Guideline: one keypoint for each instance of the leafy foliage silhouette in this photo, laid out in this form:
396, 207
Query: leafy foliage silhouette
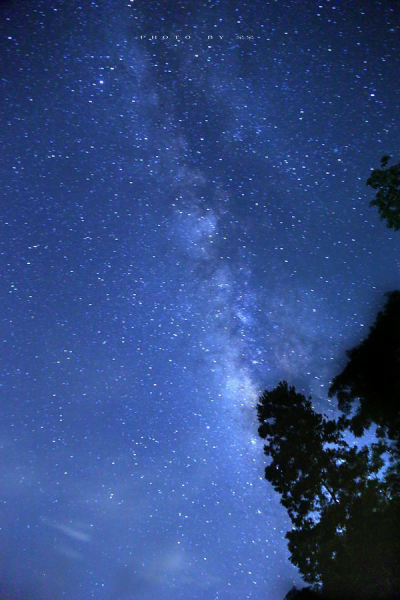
372, 375
342, 512
387, 199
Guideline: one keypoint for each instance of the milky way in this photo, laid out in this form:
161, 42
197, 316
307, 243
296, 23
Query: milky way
184, 223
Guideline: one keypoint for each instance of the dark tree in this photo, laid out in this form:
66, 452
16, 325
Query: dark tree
343, 516
387, 199
372, 375
305, 593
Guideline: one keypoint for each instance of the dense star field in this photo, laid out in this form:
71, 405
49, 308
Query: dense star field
184, 223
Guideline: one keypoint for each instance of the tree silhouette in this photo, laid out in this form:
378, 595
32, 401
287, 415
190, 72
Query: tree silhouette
387, 199
305, 593
372, 375
344, 500
343, 513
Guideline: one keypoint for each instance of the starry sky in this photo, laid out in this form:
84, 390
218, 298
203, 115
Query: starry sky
184, 223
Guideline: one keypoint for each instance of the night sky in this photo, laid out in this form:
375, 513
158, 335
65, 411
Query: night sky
184, 223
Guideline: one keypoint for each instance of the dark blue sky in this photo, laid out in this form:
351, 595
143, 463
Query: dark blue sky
183, 224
